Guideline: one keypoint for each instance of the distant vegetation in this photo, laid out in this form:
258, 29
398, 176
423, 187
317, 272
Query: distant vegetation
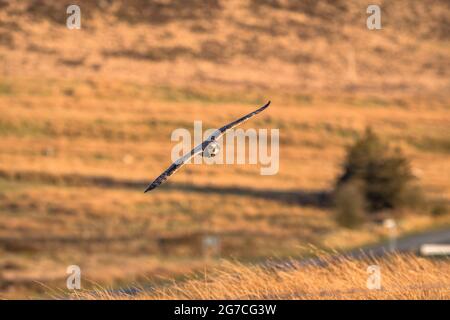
375, 177
350, 205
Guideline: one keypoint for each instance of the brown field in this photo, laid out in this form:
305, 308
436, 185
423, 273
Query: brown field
86, 118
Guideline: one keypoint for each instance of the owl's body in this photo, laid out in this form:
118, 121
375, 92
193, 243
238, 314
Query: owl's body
211, 150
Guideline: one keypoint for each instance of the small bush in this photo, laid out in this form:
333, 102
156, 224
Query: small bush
350, 205
439, 208
383, 173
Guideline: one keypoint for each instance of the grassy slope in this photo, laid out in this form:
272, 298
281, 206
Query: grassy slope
244, 45
103, 101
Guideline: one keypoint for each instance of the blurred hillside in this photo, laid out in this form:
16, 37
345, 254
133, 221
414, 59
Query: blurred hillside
286, 45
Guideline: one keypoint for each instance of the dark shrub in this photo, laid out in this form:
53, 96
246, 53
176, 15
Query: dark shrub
383, 173
350, 205
439, 207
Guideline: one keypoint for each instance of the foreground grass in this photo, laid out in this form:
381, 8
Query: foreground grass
402, 277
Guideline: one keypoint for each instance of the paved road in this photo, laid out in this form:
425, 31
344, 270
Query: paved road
410, 243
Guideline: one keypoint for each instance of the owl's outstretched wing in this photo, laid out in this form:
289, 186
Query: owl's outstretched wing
174, 168
220, 132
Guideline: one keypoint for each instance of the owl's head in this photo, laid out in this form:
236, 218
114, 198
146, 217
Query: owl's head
211, 150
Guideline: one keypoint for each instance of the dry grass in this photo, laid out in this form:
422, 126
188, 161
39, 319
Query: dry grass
86, 118
402, 277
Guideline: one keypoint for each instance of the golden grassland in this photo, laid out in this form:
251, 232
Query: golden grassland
402, 277
73, 171
86, 118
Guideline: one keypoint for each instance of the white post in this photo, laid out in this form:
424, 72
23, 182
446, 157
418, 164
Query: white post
391, 226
